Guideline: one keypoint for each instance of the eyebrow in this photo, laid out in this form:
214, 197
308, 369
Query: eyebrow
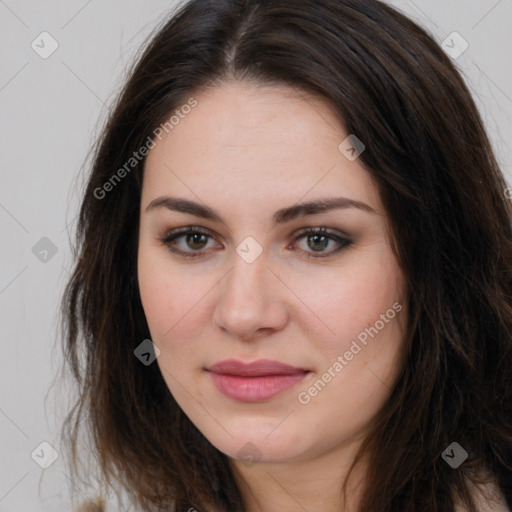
280, 216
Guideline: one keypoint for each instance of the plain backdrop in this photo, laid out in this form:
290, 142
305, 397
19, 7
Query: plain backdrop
52, 106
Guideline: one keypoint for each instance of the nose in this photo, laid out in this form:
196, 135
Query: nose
251, 300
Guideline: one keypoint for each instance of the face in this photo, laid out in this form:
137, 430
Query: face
228, 271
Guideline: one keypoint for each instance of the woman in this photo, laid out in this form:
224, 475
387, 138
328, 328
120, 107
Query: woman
293, 286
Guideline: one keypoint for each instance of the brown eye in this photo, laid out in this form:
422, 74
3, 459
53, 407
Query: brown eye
194, 239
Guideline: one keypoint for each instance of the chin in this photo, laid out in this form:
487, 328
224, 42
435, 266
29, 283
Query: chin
259, 447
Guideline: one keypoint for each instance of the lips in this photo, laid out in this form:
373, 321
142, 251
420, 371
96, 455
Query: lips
255, 369
254, 382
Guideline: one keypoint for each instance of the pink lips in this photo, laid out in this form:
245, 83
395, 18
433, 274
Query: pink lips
256, 381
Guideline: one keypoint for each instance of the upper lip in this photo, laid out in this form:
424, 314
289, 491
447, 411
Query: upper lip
258, 368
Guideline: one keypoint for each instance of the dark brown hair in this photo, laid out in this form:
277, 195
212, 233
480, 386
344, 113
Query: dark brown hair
428, 152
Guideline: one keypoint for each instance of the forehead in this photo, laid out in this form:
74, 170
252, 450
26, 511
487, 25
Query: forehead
248, 142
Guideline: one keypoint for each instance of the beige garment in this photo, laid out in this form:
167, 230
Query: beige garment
87, 506
496, 503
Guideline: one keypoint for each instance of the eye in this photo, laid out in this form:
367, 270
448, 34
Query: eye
319, 238
196, 239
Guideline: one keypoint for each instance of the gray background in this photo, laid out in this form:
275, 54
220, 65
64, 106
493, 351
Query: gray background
51, 109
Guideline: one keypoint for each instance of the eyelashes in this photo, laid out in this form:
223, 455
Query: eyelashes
319, 236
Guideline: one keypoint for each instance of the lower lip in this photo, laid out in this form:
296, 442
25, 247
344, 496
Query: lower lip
254, 389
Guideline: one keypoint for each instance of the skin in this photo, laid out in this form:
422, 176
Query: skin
247, 151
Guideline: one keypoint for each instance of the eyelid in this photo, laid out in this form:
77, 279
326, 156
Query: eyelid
322, 230
298, 232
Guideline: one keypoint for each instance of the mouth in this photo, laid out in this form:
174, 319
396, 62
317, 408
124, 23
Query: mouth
254, 382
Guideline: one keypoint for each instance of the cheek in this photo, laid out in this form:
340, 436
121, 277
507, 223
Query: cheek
171, 299
346, 302
156, 295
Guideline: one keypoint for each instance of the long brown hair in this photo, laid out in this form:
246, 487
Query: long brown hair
428, 152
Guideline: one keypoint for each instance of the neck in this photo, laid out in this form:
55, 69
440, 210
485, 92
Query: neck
311, 483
